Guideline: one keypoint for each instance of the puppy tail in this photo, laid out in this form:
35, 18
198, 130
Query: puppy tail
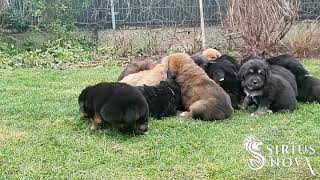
211, 109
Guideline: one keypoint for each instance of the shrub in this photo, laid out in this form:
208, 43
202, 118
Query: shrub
304, 39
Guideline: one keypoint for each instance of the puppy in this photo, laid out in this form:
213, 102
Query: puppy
266, 90
224, 71
164, 100
211, 54
200, 60
116, 105
278, 70
137, 67
201, 96
308, 86
149, 77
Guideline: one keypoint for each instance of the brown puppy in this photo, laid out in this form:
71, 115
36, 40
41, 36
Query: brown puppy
137, 67
202, 97
149, 77
211, 54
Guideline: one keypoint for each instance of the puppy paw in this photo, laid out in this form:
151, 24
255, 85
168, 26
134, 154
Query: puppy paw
184, 114
269, 111
242, 107
259, 113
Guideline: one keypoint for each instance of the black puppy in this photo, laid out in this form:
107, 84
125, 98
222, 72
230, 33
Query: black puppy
164, 100
115, 105
266, 90
201, 61
308, 86
224, 71
277, 70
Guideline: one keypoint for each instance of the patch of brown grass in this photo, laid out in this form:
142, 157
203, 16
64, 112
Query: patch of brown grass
7, 134
304, 40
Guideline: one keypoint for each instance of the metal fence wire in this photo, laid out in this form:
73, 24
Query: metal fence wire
152, 13
159, 13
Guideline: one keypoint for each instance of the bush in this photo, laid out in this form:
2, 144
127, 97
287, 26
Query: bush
61, 48
259, 24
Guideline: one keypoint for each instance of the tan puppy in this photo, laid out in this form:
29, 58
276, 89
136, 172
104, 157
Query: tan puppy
137, 67
202, 97
149, 77
211, 54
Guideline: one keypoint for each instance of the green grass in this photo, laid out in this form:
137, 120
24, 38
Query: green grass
43, 136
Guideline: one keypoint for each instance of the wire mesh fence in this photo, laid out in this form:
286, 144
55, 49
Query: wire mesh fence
146, 13
151, 13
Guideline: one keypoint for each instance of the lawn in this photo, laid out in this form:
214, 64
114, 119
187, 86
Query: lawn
43, 136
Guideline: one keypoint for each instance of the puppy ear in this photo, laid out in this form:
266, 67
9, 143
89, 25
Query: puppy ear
267, 69
83, 100
170, 73
218, 77
241, 73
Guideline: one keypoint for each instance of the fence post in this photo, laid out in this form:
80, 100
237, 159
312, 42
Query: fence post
113, 16
202, 25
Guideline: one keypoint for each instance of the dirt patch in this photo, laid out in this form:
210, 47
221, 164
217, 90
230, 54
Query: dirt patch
7, 134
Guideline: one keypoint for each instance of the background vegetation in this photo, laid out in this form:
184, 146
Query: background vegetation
44, 33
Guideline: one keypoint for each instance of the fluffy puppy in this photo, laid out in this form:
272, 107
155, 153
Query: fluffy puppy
266, 90
201, 96
200, 60
278, 70
149, 77
137, 67
211, 54
308, 86
115, 105
164, 99
224, 71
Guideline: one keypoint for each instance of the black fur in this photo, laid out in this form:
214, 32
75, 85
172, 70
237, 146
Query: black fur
164, 100
308, 86
201, 61
119, 105
266, 90
286, 74
224, 71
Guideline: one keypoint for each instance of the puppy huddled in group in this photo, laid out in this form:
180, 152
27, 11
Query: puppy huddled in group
164, 100
136, 67
264, 89
308, 85
277, 70
201, 96
115, 105
224, 71
211, 53
201, 61
150, 77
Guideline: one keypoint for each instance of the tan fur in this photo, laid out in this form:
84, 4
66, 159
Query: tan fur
211, 54
200, 95
149, 77
136, 67
96, 122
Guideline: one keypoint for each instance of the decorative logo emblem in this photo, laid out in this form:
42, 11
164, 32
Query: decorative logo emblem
251, 145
